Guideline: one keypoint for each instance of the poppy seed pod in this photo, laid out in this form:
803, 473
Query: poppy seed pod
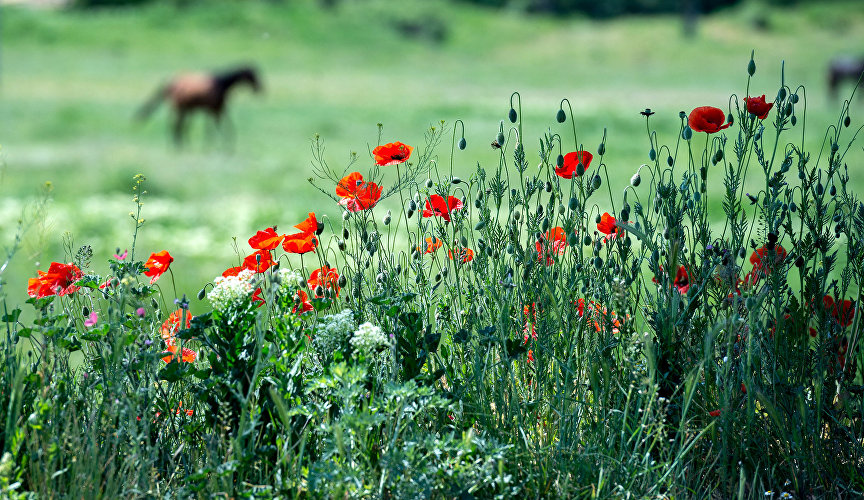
682, 115
512, 116
462, 143
687, 133
561, 116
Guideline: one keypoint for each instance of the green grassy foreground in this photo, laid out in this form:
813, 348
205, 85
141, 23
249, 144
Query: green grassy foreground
71, 81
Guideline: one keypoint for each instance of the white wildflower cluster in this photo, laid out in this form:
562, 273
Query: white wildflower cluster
231, 290
333, 330
289, 281
368, 338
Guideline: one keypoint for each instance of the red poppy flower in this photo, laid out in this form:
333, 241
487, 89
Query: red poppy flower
432, 244
757, 106
714, 413
571, 162
326, 277
530, 355
764, 260
682, 280
392, 153
58, 280
436, 206
530, 330
256, 297
301, 300
157, 264
232, 271
554, 242
186, 356
463, 254
300, 243
843, 314
607, 224
259, 261
310, 225
598, 315
357, 195
172, 325
707, 119
266, 239
106, 284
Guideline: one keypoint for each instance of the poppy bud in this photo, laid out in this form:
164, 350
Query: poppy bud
85, 311
346, 215
687, 133
652, 155
834, 147
512, 116
548, 187
410, 213
799, 262
500, 139
741, 253
580, 169
635, 180
429, 183
597, 181
794, 98
418, 279
586, 240
444, 271
345, 233
572, 240
751, 67
341, 245
670, 161
561, 208
387, 219
462, 143
539, 209
455, 180
302, 283
545, 224
697, 196
833, 190
478, 203
513, 192
625, 214
516, 215
730, 119
598, 262
758, 135
793, 207
203, 292
682, 115
574, 203
793, 120
561, 116
788, 108
154, 304
781, 94
819, 189
718, 156
480, 225
601, 149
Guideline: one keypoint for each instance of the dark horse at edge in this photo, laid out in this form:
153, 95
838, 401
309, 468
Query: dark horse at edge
844, 68
199, 91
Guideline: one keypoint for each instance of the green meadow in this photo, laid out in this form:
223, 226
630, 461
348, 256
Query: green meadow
71, 81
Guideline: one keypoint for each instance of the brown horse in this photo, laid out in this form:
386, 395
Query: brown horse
844, 68
192, 91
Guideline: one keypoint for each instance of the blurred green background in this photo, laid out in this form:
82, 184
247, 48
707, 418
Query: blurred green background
72, 78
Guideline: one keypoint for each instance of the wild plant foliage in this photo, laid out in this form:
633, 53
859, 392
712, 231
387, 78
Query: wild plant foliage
523, 330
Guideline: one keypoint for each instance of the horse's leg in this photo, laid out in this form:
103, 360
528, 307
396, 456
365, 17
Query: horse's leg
179, 125
226, 126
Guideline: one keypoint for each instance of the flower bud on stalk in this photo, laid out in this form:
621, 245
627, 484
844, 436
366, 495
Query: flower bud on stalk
561, 116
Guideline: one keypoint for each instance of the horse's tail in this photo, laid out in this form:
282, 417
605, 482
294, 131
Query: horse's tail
151, 104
